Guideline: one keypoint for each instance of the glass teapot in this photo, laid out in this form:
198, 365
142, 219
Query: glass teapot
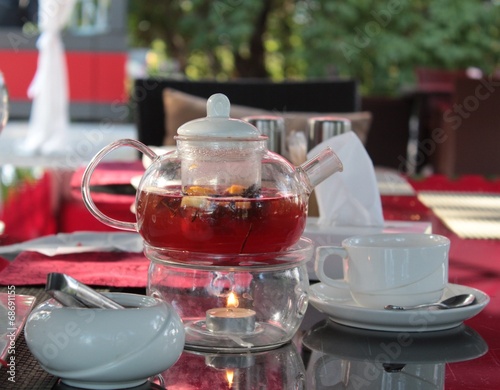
221, 190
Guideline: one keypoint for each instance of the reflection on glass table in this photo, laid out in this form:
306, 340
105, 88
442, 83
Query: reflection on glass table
277, 369
4, 116
348, 358
4, 103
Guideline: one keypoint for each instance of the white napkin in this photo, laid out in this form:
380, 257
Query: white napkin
351, 197
79, 242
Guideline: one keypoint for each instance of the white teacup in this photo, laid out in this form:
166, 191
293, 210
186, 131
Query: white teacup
382, 269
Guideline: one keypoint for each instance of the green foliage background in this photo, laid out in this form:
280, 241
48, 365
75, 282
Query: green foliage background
378, 42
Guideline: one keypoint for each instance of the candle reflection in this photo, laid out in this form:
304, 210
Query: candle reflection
276, 369
230, 377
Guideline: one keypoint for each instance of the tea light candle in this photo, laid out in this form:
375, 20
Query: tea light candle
230, 319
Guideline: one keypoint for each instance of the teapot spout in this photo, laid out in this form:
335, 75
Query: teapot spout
320, 167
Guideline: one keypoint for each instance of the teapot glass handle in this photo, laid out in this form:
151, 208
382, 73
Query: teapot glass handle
87, 198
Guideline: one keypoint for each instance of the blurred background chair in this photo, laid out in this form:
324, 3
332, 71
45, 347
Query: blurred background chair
320, 96
438, 79
471, 128
387, 142
434, 91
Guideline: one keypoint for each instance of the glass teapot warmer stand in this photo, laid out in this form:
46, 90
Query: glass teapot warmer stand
238, 308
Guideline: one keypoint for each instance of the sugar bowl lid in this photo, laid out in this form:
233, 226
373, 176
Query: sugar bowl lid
217, 123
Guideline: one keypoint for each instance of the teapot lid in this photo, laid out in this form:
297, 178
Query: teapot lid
217, 123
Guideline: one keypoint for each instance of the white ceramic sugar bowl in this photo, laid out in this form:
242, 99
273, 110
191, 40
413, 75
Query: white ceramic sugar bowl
106, 348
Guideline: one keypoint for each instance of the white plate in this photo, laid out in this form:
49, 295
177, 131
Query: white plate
135, 181
77, 242
333, 235
340, 307
159, 150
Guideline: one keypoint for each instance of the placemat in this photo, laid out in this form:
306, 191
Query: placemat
28, 373
468, 215
14, 310
114, 269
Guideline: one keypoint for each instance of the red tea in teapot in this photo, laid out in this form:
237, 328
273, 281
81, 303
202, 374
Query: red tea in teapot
237, 222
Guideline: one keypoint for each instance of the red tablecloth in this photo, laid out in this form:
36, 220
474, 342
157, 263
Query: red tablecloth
466, 183
26, 208
117, 269
474, 263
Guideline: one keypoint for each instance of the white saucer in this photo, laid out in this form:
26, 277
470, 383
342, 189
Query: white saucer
341, 308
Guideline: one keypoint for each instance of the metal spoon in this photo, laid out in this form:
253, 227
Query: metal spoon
450, 303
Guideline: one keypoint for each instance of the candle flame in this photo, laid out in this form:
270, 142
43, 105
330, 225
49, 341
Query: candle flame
230, 377
232, 300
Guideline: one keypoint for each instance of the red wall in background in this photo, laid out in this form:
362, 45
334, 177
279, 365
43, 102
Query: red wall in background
18, 69
97, 77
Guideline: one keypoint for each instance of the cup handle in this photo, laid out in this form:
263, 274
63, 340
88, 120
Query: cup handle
322, 252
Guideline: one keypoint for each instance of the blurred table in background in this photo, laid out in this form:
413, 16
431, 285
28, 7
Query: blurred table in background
28, 203
112, 192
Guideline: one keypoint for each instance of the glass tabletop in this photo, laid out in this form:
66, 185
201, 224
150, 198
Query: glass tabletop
327, 355
322, 355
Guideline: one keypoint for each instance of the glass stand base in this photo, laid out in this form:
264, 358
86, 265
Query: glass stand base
265, 336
